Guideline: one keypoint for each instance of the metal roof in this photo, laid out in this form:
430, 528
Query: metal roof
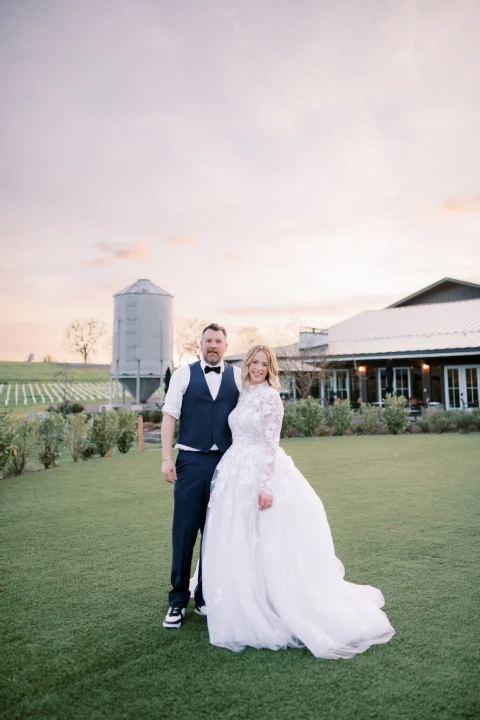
431, 287
434, 326
143, 287
282, 352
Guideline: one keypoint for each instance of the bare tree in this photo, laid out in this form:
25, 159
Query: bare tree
64, 377
83, 336
296, 365
49, 358
308, 366
248, 336
189, 337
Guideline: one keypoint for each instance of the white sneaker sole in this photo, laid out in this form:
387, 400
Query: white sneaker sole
171, 626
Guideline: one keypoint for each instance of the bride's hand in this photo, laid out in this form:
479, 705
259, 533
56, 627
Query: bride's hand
264, 500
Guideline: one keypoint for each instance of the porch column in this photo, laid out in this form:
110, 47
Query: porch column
362, 370
426, 385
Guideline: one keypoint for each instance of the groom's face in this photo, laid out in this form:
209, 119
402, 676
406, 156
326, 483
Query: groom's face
214, 345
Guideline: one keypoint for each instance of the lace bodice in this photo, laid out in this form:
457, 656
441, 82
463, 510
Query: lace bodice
257, 420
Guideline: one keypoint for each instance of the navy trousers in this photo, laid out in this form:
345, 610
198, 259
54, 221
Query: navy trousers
191, 495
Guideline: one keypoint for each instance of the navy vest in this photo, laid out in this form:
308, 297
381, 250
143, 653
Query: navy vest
203, 420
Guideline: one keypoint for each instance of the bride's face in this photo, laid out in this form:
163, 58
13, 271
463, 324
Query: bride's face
258, 368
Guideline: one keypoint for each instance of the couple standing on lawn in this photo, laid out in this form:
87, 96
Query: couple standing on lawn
268, 575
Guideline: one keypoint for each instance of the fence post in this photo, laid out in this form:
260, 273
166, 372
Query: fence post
141, 441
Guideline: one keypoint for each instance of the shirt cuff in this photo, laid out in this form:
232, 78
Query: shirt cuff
166, 410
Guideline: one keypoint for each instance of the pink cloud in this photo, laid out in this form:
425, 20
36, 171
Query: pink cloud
455, 205
135, 252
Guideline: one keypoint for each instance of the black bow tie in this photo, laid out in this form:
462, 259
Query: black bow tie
212, 369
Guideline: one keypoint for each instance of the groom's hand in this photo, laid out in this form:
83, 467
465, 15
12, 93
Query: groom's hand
168, 471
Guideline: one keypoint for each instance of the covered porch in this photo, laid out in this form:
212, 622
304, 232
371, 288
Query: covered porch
451, 382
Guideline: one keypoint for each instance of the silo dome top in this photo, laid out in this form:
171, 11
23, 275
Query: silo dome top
143, 287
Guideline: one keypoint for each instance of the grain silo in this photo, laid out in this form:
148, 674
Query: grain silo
142, 339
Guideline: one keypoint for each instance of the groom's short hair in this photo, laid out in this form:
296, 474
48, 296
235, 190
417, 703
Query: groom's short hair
216, 328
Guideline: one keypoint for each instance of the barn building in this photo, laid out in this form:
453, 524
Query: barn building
425, 347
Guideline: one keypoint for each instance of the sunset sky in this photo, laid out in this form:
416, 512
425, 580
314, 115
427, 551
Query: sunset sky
264, 161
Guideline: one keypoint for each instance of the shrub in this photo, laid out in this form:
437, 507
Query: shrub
476, 418
77, 408
323, 430
309, 417
464, 421
156, 416
4, 446
289, 424
440, 422
126, 429
395, 413
49, 436
424, 421
67, 408
340, 416
76, 435
88, 451
103, 432
152, 415
17, 440
368, 419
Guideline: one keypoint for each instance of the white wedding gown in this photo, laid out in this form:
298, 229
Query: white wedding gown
271, 578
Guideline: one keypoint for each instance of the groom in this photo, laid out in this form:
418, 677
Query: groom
201, 396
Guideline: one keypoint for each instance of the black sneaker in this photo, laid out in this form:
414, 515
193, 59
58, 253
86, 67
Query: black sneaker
174, 618
201, 610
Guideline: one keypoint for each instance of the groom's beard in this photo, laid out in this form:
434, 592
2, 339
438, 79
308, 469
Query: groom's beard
212, 358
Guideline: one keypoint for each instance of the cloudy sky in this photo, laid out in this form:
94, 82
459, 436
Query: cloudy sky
264, 161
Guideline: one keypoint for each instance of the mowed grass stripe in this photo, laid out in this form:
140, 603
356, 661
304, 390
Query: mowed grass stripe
88, 575
21, 372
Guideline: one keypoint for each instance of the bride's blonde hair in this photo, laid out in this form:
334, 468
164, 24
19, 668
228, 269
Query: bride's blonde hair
272, 370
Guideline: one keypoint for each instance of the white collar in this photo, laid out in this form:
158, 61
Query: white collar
203, 365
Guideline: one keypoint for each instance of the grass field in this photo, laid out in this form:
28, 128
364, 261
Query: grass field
22, 372
27, 387
88, 547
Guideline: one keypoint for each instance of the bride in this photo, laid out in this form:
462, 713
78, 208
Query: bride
270, 575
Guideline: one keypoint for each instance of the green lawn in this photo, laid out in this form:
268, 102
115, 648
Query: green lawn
22, 372
88, 550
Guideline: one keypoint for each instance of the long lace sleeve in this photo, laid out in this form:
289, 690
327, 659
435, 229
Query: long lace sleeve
273, 417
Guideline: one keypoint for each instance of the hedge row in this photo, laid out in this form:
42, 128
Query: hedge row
49, 434
440, 421
308, 418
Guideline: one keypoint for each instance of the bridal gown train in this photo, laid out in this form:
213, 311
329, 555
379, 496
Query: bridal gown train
271, 578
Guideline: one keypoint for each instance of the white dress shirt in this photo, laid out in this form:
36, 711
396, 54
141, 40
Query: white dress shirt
179, 383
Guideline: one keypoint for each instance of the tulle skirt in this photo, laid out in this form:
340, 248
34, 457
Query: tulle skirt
271, 579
